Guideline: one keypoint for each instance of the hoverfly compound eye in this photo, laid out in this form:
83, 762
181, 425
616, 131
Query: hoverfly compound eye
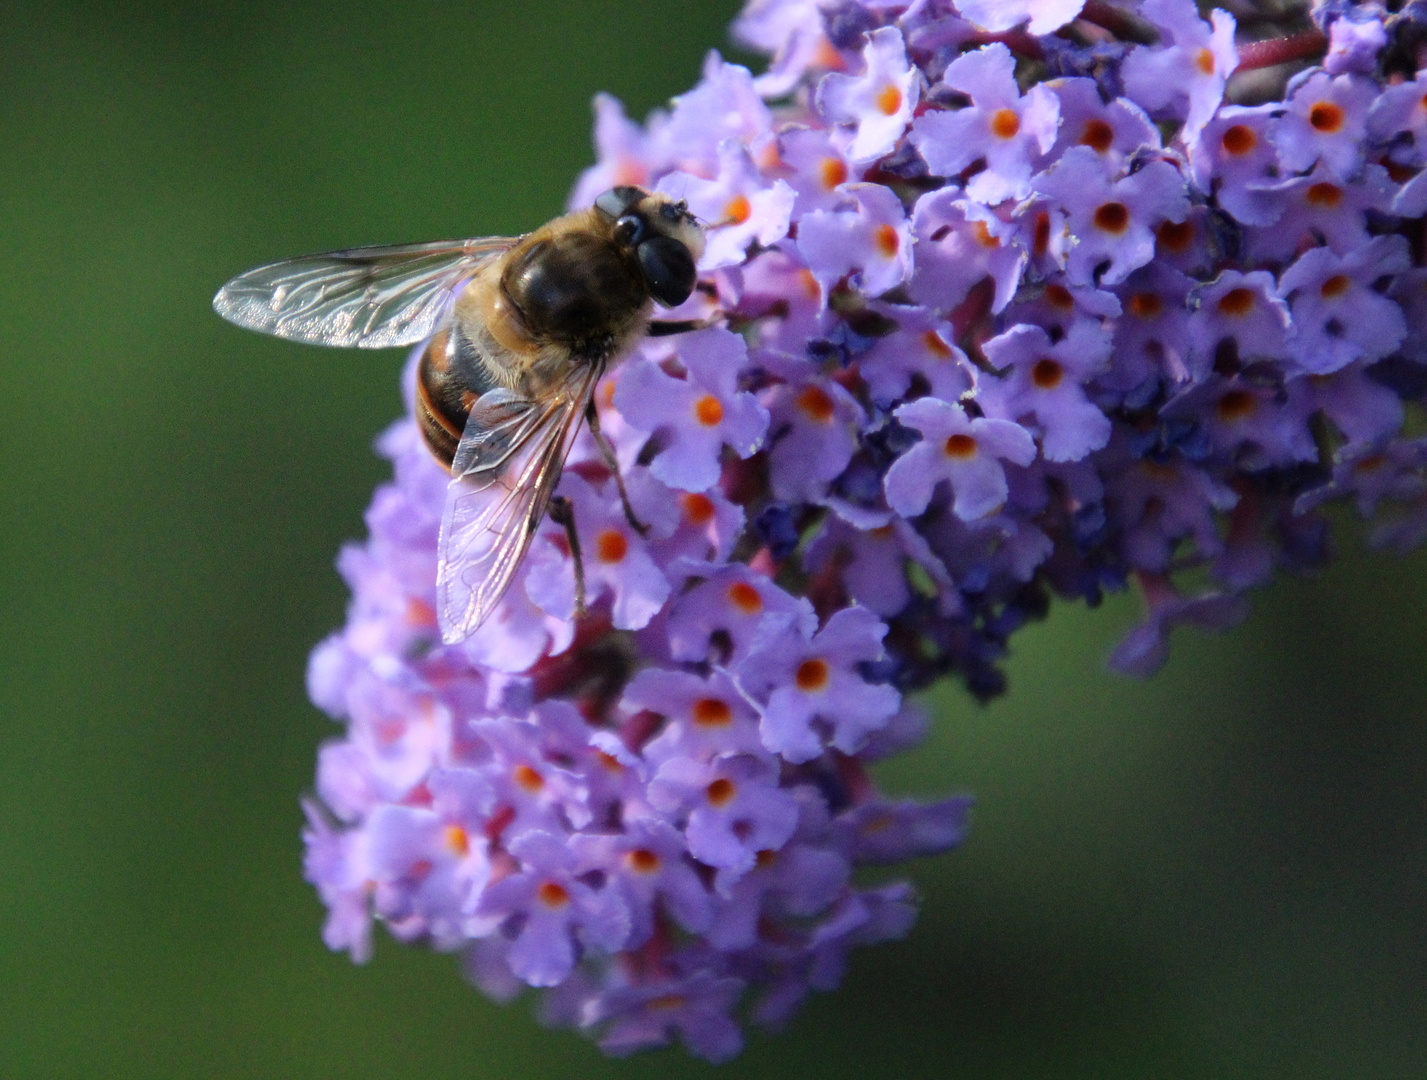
617, 202
668, 268
629, 230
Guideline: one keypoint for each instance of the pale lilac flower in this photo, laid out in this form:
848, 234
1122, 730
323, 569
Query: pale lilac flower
1337, 316
1325, 122
617, 563
1354, 43
1184, 78
809, 689
1001, 125
1114, 222
699, 414
1045, 16
1045, 380
816, 169
869, 234
731, 809
1233, 159
958, 244
1114, 131
965, 452
876, 106
746, 208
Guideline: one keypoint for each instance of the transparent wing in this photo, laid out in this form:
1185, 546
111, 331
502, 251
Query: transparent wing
505, 469
372, 297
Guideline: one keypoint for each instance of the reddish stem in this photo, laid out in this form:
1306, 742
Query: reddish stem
1282, 50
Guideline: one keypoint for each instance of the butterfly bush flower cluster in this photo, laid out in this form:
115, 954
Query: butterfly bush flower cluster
1006, 300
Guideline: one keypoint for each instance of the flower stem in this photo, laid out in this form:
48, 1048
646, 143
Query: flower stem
1282, 50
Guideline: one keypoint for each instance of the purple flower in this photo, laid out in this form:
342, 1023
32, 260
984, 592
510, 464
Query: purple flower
877, 105
966, 453
699, 414
1045, 380
1045, 16
869, 233
1114, 221
1337, 316
958, 244
809, 690
1005, 128
550, 909
730, 809
739, 200
1184, 79
1325, 122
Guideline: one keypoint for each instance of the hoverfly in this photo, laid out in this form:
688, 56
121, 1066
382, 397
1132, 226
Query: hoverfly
518, 331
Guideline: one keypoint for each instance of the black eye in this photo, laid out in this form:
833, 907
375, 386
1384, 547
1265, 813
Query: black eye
668, 268
616, 202
673, 211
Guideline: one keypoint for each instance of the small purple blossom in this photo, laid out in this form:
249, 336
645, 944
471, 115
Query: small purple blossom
1001, 125
966, 453
877, 105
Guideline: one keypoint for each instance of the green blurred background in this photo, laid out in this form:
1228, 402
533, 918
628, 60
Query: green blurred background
1217, 873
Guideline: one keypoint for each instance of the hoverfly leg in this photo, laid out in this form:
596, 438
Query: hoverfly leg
562, 513
612, 464
670, 327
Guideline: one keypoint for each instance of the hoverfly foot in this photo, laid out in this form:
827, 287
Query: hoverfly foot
562, 513
612, 464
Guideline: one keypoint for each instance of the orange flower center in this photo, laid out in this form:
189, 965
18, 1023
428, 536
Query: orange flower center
712, 712
1334, 287
720, 792
737, 210
698, 509
553, 895
982, 232
1112, 217
1005, 124
457, 840
643, 861
959, 447
1324, 195
813, 676
1058, 297
1236, 302
1238, 140
1098, 135
815, 402
1236, 405
709, 410
833, 171
1175, 236
889, 100
1040, 236
1326, 117
887, 240
1204, 61
745, 598
611, 546
527, 779
1047, 373
1145, 305
936, 346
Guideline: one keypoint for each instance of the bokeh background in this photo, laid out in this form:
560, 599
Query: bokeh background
1216, 873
